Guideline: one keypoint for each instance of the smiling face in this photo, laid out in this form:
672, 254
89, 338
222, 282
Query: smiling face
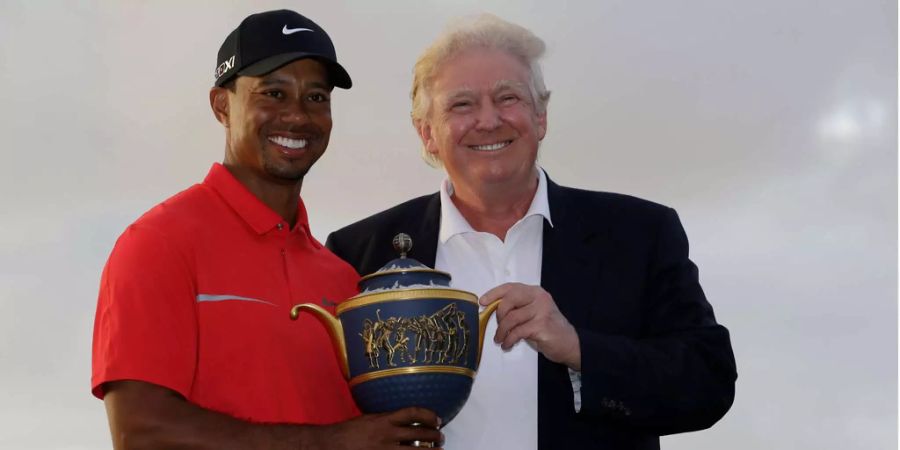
483, 123
277, 125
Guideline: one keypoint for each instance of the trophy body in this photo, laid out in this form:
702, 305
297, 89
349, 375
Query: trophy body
407, 339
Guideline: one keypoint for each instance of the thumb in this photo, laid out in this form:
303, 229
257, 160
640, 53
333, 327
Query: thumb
493, 294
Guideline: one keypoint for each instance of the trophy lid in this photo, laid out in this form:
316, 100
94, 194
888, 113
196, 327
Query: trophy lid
403, 272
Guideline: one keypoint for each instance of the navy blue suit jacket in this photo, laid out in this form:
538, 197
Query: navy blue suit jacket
654, 360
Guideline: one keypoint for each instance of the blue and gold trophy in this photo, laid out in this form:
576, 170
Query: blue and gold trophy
407, 339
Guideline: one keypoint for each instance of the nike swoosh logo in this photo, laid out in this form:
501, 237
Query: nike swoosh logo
287, 31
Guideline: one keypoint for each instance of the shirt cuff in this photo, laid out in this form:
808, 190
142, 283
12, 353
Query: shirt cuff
575, 378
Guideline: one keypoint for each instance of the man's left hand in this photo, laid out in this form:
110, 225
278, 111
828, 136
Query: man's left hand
529, 313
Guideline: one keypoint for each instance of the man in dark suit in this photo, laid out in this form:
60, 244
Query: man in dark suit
621, 344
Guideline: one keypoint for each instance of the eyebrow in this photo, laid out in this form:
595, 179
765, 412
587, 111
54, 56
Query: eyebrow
271, 80
461, 92
509, 84
499, 85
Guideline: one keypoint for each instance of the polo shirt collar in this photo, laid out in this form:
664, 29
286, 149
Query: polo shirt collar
453, 222
251, 209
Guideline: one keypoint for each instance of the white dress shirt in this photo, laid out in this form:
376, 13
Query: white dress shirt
501, 412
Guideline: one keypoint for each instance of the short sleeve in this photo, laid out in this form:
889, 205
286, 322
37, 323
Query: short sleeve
145, 326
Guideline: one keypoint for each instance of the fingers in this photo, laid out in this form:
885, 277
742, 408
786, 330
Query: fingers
511, 320
494, 294
410, 434
415, 424
553, 336
525, 331
521, 303
509, 292
415, 415
529, 313
380, 431
514, 295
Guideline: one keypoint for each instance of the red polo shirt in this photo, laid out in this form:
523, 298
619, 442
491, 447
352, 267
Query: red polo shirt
196, 297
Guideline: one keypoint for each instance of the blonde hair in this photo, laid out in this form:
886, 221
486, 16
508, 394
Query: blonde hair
482, 31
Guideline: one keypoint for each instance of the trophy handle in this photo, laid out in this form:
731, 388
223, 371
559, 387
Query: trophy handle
483, 318
334, 328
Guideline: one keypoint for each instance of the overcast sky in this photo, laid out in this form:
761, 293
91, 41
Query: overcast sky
770, 125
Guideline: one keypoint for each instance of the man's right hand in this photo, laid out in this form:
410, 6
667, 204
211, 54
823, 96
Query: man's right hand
146, 416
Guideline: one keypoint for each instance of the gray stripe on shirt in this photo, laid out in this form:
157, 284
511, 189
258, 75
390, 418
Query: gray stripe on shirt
222, 298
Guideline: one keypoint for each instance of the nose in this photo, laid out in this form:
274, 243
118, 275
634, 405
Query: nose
295, 112
488, 117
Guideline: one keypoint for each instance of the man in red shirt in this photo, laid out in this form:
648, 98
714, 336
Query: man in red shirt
193, 346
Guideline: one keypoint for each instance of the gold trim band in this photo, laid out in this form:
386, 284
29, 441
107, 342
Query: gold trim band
405, 270
411, 371
405, 294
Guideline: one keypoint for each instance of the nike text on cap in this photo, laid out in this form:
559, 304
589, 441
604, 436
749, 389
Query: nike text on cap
266, 41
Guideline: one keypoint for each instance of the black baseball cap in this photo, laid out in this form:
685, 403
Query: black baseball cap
266, 41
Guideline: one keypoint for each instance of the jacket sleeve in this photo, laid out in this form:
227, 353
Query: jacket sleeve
679, 374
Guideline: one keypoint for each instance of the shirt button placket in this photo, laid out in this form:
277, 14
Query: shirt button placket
506, 259
280, 227
493, 247
285, 264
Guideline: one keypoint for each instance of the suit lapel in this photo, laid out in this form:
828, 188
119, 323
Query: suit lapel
570, 267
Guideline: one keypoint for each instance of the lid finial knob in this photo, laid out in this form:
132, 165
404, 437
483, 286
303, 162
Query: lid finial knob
402, 244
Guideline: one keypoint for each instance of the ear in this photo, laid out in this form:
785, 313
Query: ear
218, 101
425, 134
542, 125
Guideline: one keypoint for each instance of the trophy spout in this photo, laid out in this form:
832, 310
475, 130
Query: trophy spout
483, 318
334, 328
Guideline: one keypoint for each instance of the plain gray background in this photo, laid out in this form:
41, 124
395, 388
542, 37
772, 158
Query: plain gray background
770, 125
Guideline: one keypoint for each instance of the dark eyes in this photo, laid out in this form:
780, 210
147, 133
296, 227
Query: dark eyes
274, 93
316, 97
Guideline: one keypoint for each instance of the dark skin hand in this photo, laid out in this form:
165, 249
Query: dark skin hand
146, 416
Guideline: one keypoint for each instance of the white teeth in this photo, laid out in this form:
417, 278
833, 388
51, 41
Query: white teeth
288, 142
491, 147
